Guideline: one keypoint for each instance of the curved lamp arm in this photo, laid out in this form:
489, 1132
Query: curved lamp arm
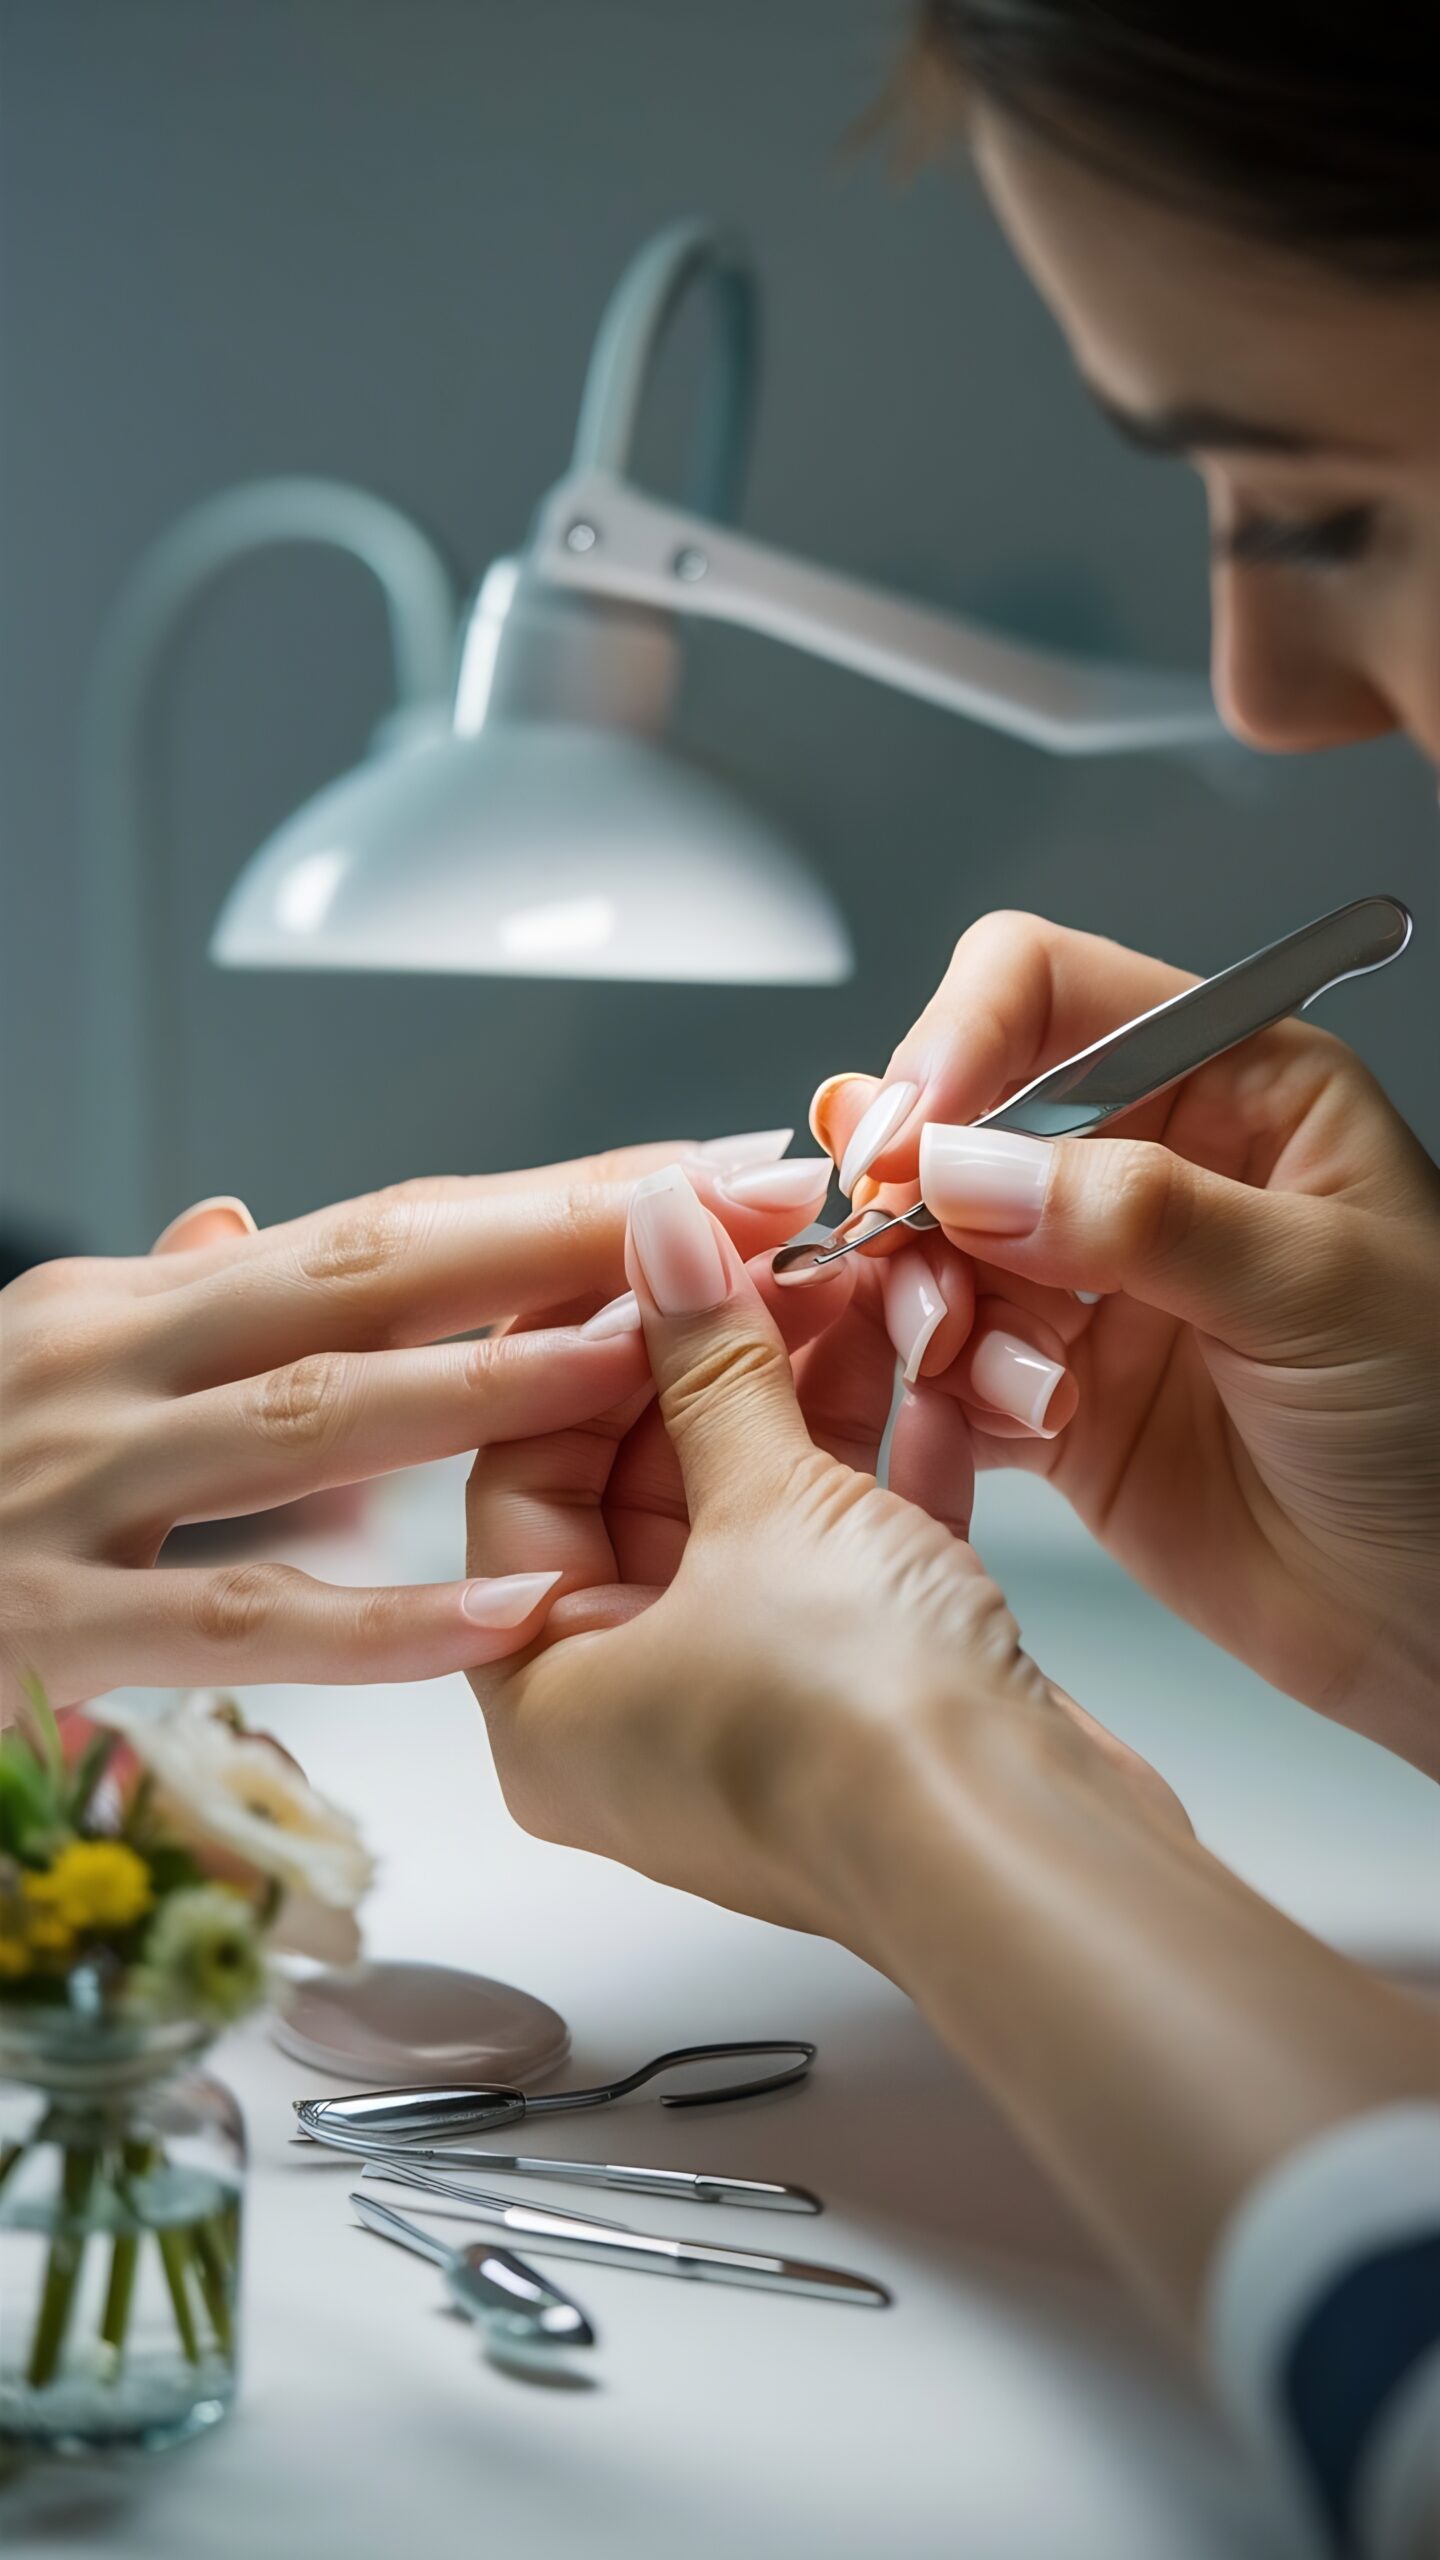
598, 535
130, 980
629, 339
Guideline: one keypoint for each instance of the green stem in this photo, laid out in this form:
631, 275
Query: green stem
10, 2152
62, 2270
174, 2248
213, 2277
136, 2159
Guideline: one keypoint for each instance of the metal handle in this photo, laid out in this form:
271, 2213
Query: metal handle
398, 2226
566, 2235
1145, 1056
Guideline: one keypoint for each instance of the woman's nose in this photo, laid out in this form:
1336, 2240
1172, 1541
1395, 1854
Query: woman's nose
1284, 679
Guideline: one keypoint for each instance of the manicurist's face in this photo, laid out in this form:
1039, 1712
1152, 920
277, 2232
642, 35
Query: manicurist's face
1310, 406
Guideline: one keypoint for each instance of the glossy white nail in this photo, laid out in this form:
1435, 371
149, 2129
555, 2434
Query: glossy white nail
619, 1315
876, 1128
914, 1308
1087, 1297
791, 1185
1016, 1379
676, 1246
508, 1599
753, 1146
992, 1181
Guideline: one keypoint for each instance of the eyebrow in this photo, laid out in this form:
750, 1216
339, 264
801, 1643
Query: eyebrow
1191, 427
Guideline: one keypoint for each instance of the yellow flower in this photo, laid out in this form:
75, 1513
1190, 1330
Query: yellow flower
93, 1884
14, 1959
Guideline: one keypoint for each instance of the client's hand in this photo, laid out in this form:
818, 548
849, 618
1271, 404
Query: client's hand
231, 1371
750, 1638
1258, 1426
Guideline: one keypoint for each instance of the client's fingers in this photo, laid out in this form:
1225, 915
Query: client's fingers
259, 1622
409, 1266
932, 1460
337, 1417
219, 1220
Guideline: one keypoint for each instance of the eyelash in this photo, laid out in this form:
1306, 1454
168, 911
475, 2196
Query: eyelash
1318, 543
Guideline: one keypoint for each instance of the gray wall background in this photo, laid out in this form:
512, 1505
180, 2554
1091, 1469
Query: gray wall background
371, 238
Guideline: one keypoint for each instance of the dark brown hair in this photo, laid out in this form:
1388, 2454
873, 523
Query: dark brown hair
1309, 124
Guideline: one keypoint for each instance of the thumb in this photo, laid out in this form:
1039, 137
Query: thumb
723, 1373
1258, 1270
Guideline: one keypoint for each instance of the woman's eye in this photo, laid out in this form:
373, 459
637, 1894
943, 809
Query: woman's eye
1331, 541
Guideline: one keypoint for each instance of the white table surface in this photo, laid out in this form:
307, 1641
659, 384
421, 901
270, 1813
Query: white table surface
1011, 2406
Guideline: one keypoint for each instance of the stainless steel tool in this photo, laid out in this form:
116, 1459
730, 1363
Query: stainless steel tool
1147, 1055
524, 2316
380, 2122
571, 2235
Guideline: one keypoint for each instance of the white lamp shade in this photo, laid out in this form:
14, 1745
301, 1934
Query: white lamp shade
535, 849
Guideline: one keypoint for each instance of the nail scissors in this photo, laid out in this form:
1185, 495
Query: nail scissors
1145, 1056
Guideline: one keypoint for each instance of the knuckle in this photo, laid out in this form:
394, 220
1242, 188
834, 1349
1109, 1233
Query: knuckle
365, 1243
381, 1616
301, 1406
733, 1367
236, 1604
1147, 1202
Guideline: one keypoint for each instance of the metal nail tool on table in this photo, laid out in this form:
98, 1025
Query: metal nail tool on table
573, 2235
421, 2124
525, 2319
1144, 1057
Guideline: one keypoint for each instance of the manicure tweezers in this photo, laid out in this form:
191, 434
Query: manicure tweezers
609, 2244
1146, 1056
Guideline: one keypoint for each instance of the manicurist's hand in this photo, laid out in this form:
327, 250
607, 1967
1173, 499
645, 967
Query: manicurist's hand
767, 1681
1256, 1423
749, 1635
232, 1370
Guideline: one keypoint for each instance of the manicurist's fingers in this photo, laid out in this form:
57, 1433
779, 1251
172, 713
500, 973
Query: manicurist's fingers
242, 1623
1019, 995
726, 1389
1261, 1271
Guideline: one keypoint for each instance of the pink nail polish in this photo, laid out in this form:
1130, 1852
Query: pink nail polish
892, 1104
914, 1308
1008, 1374
799, 1183
752, 1146
991, 1181
506, 1601
620, 1315
676, 1246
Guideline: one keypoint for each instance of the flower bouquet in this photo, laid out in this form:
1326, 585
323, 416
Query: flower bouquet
147, 1876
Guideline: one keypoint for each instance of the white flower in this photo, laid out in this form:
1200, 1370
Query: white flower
222, 1789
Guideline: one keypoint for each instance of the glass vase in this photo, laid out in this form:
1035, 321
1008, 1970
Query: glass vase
121, 2182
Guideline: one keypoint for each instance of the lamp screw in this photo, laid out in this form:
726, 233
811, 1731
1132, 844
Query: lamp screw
690, 564
581, 535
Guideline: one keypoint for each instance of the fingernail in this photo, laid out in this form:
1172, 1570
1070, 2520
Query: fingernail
507, 1600
820, 1101
220, 1203
877, 1127
753, 1146
621, 1315
1087, 1297
914, 1308
791, 1185
676, 1246
991, 1180
1015, 1379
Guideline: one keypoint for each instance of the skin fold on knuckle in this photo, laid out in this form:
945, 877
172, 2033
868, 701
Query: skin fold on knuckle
233, 1606
731, 1369
1145, 1205
368, 1244
303, 1405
